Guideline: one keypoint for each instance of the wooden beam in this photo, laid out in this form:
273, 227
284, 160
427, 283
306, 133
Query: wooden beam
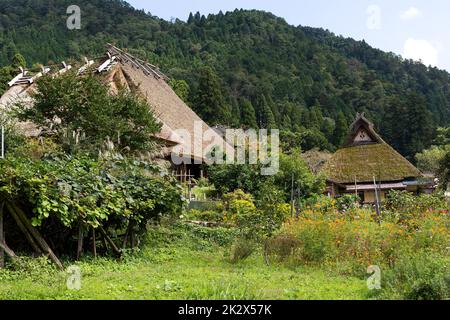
110, 242
8, 251
37, 236
25, 232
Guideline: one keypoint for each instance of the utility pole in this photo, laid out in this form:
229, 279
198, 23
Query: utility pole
377, 206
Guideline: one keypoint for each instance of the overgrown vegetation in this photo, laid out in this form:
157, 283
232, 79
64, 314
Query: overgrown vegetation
178, 262
259, 236
74, 179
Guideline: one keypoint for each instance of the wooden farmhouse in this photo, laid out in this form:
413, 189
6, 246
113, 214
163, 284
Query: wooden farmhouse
120, 69
369, 167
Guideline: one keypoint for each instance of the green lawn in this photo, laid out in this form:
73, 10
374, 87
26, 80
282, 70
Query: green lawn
183, 269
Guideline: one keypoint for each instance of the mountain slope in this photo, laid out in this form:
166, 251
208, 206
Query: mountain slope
304, 77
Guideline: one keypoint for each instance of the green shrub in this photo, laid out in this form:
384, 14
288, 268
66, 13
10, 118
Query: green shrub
64, 190
206, 216
242, 249
418, 276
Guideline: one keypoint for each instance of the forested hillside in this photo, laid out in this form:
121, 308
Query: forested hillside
256, 68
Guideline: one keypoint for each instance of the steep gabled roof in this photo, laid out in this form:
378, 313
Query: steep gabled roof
364, 158
362, 125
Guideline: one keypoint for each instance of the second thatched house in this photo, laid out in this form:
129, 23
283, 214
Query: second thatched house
368, 167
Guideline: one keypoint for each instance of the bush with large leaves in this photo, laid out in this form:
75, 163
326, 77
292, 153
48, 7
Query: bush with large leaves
108, 193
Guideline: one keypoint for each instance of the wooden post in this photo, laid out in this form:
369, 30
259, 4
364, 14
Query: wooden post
94, 243
132, 239
189, 186
2, 252
105, 245
377, 206
128, 234
80, 240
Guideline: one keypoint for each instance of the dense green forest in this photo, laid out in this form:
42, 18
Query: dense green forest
305, 81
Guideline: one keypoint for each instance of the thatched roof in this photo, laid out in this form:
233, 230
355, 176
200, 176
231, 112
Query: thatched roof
19, 94
366, 156
146, 80
171, 111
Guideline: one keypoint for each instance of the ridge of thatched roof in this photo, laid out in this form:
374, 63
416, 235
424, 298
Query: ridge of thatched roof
361, 161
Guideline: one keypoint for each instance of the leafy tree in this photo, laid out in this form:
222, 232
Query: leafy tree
341, 130
444, 171
235, 120
408, 125
65, 191
246, 177
292, 166
248, 116
266, 116
430, 160
442, 137
208, 101
18, 61
181, 88
6, 75
83, 105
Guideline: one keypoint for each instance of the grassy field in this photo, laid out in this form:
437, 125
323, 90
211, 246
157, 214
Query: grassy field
179, 265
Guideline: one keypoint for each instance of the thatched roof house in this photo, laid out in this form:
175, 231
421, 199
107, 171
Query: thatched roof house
367, 164
121, 69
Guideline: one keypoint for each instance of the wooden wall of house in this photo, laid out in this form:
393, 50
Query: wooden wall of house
369, 196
